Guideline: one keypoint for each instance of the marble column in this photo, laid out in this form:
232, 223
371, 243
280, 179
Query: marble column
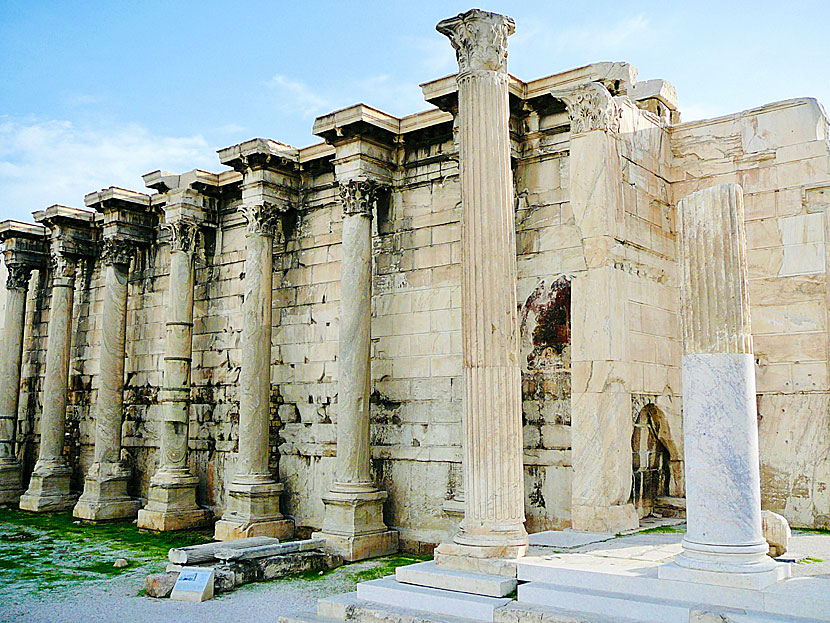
11, 357
253, 495
724, 542
49, 486
493, 524
353, 524
171, 503
105, 487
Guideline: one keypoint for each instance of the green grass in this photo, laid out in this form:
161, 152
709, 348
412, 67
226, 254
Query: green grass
46, 551
812, 530
809, 559
387, 567
662, 530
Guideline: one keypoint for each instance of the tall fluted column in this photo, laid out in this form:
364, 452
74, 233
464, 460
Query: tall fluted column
724, 542
105, 488
171, 501
493, 524
49, 487
10, 359
353, 525
253, 495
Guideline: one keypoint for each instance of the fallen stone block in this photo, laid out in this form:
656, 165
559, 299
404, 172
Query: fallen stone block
776, 532
160, 585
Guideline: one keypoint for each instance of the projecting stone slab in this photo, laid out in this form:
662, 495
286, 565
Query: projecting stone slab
566, 539
389, 592
428, 575
207, 551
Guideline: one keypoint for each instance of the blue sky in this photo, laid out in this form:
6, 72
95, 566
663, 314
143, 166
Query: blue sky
94, 94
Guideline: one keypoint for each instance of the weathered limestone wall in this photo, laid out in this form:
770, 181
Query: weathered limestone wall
780, 156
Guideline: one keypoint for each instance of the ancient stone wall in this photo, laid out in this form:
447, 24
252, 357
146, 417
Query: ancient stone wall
780, 156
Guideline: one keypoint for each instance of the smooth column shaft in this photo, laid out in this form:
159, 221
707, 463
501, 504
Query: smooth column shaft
353, 444
10, 361
177, 363
109, 406
56, 381
255, 376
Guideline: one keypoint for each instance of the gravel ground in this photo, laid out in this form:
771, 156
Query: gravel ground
117, 600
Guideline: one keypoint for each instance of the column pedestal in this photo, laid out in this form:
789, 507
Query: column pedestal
253, 510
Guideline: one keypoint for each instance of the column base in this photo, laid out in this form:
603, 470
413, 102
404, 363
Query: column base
171, 503
353, 526
487, 559
253, 510
105, 494
49, 489
10, 482
618, 518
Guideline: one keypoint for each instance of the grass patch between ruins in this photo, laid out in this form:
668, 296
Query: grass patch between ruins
47, 551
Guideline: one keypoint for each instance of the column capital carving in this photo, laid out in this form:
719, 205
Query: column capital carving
360, 196
479, 39
18, 276
262, 218
63, 268
184, 236
591, 107
116, 251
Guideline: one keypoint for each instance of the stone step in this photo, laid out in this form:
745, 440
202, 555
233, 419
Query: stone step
349, 608
429, 575
602, 603
390, 592
524, 613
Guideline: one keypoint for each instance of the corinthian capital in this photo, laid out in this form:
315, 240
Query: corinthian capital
183, 236
479, 39
262, 219
18, 276
359, 196
591, 107
117, 252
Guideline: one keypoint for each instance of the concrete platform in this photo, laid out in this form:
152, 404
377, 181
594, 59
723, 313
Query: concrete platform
389, 592
428, 575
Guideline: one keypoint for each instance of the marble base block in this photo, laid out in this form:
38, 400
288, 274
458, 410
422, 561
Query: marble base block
253, 510
10, 483
105, 494
353, 526
490, 560
171, 504
49, 490
618, 518
755, 581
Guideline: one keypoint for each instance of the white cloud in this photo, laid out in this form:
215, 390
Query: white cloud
43, 162
298, 97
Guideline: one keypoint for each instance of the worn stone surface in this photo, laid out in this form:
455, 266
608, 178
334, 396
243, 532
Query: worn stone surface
776, 531
160, 585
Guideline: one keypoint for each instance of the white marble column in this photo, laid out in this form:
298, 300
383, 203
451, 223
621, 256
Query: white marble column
171, 503
493, 524
11, 357
105, 487
724, 543
253, 495
353, 524
49, 487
